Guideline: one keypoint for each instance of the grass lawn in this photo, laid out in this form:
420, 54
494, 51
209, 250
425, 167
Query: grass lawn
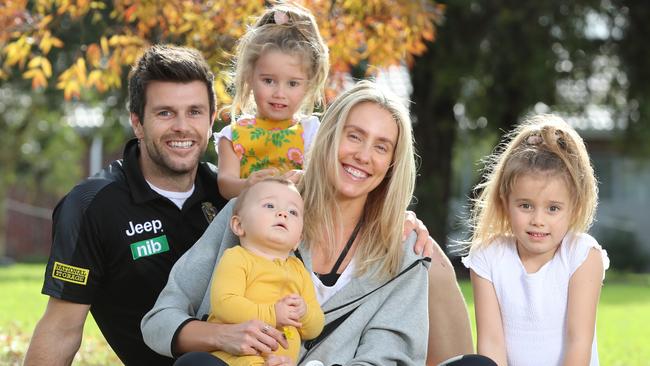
623, 319
623, 324
21, 306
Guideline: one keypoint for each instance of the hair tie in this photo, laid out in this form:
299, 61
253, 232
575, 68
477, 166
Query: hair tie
280, 17
559, 136
534, 139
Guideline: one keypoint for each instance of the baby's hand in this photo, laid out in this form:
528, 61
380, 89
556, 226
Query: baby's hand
288, 311
285, 314
275, 360
258, 175
298, 305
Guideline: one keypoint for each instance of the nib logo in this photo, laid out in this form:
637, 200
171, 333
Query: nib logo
149, 247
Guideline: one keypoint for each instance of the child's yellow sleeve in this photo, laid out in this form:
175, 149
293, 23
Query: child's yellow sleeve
227, 301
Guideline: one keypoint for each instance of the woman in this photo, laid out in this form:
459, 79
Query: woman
369, 283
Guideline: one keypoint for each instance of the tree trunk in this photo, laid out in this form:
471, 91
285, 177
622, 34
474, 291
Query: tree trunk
435, 134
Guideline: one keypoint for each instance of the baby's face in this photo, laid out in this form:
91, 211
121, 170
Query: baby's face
271, 218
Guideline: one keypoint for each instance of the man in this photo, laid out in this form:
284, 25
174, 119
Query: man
117, 235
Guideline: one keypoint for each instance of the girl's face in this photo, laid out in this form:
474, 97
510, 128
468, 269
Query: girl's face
539, 208
279, 83
366, 150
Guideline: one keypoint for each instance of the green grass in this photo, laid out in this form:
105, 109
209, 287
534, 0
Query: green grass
623, 319
623, 324
21, 307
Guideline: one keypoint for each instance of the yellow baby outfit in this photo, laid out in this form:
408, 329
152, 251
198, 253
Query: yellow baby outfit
260, 143
246, 286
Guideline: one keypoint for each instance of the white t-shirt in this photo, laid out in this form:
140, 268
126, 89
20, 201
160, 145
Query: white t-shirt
323, 293
178, 198
534, 305
309, 124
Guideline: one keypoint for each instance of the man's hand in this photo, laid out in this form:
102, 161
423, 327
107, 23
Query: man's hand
424, 243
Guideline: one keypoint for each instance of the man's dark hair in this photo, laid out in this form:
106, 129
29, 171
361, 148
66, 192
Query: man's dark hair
167, 63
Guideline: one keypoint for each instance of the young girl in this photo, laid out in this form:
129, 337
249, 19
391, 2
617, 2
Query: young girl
283, 62
536, 273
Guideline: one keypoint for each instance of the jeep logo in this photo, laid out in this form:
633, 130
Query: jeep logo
149, 226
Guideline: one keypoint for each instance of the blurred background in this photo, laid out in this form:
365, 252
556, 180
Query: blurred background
469, 71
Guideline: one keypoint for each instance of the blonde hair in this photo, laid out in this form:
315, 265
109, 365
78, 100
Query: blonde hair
297, 35
380, 236
543, 144
241, 198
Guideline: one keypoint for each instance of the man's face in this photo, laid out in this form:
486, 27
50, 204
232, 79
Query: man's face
174, 131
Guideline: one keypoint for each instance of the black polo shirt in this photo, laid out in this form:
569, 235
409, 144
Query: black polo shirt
114, 242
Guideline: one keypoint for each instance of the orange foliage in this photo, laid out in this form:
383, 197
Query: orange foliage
381, 32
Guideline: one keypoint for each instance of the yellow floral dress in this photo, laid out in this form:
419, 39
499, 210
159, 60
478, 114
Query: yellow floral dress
261, 143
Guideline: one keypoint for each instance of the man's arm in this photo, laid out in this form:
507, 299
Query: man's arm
57, 335
449, 328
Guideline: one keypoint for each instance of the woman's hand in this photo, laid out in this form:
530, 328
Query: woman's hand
250, 338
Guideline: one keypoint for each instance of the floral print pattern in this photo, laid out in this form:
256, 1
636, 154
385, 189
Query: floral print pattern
262, 144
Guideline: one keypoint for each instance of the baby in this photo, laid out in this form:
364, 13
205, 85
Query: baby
259, 279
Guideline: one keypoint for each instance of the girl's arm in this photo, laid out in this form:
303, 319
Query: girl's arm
584, 292
489, 328
228, 178
230, 184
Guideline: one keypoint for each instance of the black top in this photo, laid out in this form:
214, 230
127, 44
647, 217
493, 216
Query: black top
114, 242
329, 279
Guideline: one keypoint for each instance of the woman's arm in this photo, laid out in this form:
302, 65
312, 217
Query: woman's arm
584, 292
172, 326
188, 286
397, 332
489, 329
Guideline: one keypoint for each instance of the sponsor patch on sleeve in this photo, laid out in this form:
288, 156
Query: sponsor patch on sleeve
68, 273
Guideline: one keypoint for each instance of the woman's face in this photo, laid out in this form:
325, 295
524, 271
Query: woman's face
365, 151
